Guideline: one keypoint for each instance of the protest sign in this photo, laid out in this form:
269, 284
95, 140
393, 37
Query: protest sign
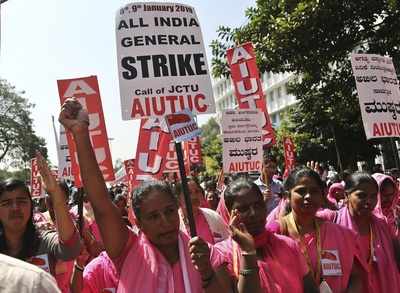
248, 88
290, 156
192, 151
130, 172
36, 181
86, 90
64, 163
151, 150
182, 125
378, 93
241, 141
162, 64
64, 160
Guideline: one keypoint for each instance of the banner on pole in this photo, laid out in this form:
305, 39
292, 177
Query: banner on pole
378, 93
36, 182
86, 90
162, 64
151, 150
248, 88
182, 125
290, 156
242, 141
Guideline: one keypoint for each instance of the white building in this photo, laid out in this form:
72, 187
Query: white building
275, 89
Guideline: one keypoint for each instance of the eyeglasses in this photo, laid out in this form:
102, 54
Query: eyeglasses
19, 201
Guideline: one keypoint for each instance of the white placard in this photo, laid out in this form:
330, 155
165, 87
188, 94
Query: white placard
379, 95
64, 163
182, 126
242, 141
162, 62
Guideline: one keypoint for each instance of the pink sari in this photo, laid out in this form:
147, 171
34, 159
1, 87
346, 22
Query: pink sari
384, 274
388, 213
282, 269
336, 239
144, 269
276, 213
222, 210
100, 275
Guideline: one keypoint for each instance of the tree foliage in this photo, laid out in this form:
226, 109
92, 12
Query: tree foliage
211, 147
18, 141
314, 39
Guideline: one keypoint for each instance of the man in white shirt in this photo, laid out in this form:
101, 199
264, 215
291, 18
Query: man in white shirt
271, 188
17, 276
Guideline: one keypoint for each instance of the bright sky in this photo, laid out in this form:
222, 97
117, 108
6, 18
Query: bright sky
46, 40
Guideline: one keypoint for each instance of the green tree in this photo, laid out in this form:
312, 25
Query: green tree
211, 147
314, 39
18, 141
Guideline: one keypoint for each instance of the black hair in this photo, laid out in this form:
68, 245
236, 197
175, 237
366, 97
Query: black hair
235, 187
118, 197
142, 191
357, 178
30, 241
267, 157
211, 184
387, 182
178, 190
297, 174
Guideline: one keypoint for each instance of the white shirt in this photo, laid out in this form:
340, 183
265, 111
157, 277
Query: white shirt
17, 276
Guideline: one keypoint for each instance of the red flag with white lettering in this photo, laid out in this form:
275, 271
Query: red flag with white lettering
129, 170
290, 156
192, 150
248, 88
86, 90
36, 181
151, 150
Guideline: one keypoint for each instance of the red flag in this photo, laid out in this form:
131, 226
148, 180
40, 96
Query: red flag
290, 156
36, 182
192, 150
151, 151
129, 170
86, 90
248, 88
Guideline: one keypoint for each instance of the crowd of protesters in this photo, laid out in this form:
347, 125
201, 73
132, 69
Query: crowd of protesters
314, 231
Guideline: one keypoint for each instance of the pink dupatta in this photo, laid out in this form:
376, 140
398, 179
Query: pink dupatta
384, 274
145, 269
281, 270
388, 214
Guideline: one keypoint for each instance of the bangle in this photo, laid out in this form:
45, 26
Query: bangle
248, 272
251, 252
79, 268
207, 282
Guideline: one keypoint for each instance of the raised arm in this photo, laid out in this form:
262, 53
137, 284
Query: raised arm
64, 223
112, 228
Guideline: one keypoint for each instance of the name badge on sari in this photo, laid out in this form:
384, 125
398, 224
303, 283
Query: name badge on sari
41, 260
330, 263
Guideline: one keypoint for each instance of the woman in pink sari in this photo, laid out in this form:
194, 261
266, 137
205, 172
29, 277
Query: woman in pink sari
388, 197
209, 224
257, 259
378, 248
329, 249
160, 258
